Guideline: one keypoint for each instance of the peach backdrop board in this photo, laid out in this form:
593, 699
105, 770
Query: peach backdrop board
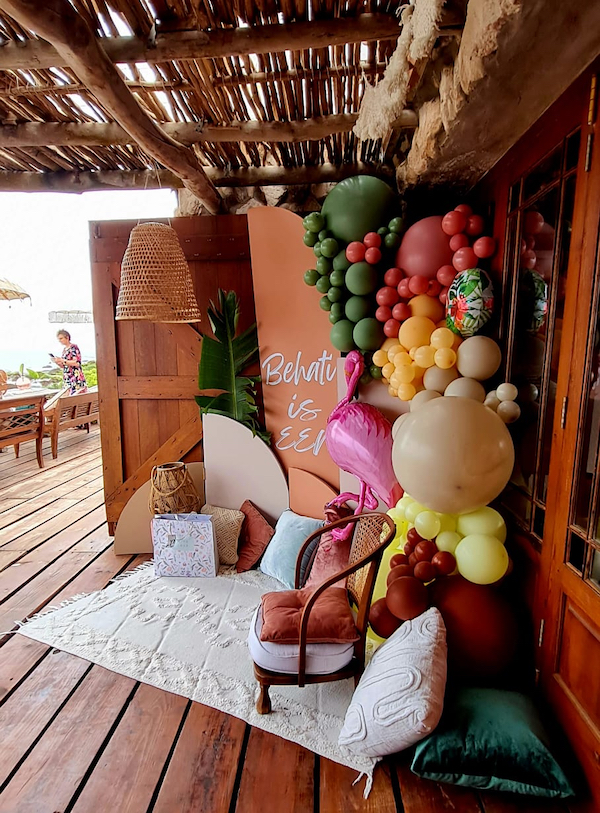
298, 362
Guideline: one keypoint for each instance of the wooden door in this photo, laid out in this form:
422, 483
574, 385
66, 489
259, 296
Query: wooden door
148, 372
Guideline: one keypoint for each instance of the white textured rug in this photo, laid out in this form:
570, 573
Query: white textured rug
188, 636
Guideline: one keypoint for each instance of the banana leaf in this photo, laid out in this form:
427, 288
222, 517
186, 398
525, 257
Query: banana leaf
222, 361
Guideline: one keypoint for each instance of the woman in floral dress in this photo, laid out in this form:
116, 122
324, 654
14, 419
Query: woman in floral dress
70, 362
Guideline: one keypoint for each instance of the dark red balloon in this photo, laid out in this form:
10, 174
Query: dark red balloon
418, 285
403, 288
534, 222
407, 598
372, 255
391, 328
413, 559
401, 311
529, 258
387, 296
414, 537
372, 240
409, 547
426, 550
355, 252
481, 627
398, 559
484, 247
381, 619
424, 248
464, 208
475, 225
444, 562
443, 296
434, 288
392, 277
458, 241
425, 572
454, 222
383, 313
398, 571
464, 258
446, 275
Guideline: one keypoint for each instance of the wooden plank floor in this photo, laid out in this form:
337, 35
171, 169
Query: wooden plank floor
76, 738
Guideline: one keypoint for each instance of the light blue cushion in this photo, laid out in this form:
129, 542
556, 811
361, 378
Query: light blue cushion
280, 557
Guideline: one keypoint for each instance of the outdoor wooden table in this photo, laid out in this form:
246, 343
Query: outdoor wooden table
22, 418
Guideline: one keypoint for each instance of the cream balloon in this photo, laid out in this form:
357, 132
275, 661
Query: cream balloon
466, 388
447, 540
437, 379
481, 559
483, 521
453, 455
398, 423
478, 357
422, 398
508, 411
492, 401
506, 392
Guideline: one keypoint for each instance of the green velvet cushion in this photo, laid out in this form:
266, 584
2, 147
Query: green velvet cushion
494, 740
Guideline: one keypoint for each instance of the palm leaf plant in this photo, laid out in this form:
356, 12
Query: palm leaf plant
222, 361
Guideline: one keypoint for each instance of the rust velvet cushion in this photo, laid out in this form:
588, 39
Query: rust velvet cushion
330, 620
255, 535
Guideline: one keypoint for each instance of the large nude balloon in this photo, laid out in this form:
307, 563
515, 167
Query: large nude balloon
424, 249
453, 455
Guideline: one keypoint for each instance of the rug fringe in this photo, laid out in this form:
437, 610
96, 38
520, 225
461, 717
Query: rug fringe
127, 573
368, 783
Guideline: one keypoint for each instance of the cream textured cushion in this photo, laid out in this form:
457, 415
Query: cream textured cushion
400, 697
227, 524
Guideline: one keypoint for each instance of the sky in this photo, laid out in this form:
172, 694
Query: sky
44, 240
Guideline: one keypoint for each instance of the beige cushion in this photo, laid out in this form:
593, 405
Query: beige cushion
227, 523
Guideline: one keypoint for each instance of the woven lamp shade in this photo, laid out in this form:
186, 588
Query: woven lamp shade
156, 284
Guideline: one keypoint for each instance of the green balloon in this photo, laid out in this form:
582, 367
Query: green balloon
368, 334
341, 336
375, 371
361, 279
311, 276
335, 294
391, 240
309, 238
323, 265
357, 307
314, 222
324, 234
334, 317
341, 262
329, 247
396, 225
325, 303
337, 278
323, 284
365, 378
382, 230
317, 249
358, 205
338, 309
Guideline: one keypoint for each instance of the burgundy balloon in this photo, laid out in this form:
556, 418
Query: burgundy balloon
475, 225
424, 248
458, 241
381, 619
418, 285
401, 311
463, 259
464, 208
444, 562
413, 559
534, 222
392, 277
383, 313
425, 550
425, 572
434, 288
391, 328
387, 296
445, 275
398, 559
398, 571
407, 598
372, 240
403, 288
409, 547
484, 247
529, 259
454, 222
414, 537
443, 297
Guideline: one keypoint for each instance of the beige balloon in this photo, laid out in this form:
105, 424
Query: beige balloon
478, 357
437, 379
453, 455
466, 388
422, 398
398, 423
509, 411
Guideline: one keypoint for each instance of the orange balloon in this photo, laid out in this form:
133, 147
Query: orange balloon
415, 332
429, 306
406, 392
445, 358
424, 356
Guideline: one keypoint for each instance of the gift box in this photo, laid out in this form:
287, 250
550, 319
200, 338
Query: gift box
184, 545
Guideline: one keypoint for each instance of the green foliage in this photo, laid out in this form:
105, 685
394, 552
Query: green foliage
222, 361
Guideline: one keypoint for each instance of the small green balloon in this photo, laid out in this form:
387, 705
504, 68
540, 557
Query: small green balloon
357, 307
375, 371
325, 303
391, 240
382, 230
314, 222
334, 317
396, 225
335, 294
309, 238
337, 278
341, 262
341, 336
365, 378
329, 247
311, 276
317, 249
323, 284
338, 309
368, 334
361, 279
323, 265
324, 234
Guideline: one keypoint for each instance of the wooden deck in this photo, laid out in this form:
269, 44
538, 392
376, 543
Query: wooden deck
76, 738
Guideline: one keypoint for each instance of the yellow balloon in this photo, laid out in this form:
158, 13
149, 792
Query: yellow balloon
393, 351
415, 331
401, 359
394, 380
447, 522
419, 372
388, 369
483, 521
447, 540
412, 352
427, 524
380, 357
424, 356
445, 358
404, 374
428, 306
389, 343
413, 510
441, 337
481, 559
404, 501
393, 391
397, 514
406, 391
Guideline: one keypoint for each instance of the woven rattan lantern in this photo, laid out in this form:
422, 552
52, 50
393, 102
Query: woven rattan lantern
156, 284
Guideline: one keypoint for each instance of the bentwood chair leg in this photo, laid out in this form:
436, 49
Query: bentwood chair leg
263, 704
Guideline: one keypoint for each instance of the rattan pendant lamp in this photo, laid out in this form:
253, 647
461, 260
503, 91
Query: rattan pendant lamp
156, 283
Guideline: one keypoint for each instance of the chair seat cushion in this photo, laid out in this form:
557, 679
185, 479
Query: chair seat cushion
321, 659
330, 620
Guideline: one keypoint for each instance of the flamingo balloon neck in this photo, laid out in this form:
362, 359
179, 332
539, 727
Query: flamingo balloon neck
353, 370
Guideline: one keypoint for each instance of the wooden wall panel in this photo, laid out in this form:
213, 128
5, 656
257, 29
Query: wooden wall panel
147, 373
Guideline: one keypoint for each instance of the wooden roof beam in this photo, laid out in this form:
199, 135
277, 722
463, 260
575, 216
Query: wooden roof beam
105, 135
58, 22
222, 42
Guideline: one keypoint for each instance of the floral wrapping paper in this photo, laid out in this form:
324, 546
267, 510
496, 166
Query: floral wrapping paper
184, 545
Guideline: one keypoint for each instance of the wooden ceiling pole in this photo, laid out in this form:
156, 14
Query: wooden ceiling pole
58, 23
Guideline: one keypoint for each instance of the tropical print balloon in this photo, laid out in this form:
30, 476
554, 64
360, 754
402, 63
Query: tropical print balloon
470, 302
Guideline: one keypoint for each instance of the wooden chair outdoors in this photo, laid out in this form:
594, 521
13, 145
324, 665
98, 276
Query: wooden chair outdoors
69, 411
22, 419
372, 534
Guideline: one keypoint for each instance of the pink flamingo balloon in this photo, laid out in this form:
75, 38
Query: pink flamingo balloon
359, 441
